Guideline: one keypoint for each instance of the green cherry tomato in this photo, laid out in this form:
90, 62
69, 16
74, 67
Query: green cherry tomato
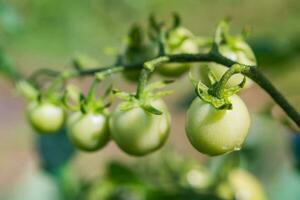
214, 132
179, 41
241, 53
197, 177
89, 131
45, 117
138, 132
241, 185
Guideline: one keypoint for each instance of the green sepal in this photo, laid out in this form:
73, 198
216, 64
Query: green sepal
149, 108
202, 92
212, 77
122, 95
221, 32
127, 105
158, 85
235, 89
218, 103
108, 91
27, 90
163, 93
83, 104
71, 98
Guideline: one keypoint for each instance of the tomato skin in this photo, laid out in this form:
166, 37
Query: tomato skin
241, 185
45, 117
242, 54
88, 132
179, 41
215, 132
138, 132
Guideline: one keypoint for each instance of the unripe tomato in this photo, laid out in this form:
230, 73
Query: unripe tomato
89, 131
197, 177
138, 132
241, 185
242, 53
214, 132
45, 117
179, 41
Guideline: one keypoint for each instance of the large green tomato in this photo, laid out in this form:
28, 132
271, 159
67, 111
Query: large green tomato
89, 131
179, 41
241, 185
214, 132
45, 117
242, 53
138, 132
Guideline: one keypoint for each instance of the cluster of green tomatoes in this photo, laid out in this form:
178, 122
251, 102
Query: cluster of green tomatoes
141, 123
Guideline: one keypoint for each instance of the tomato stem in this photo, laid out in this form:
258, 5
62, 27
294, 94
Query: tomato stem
213, 56
149, 67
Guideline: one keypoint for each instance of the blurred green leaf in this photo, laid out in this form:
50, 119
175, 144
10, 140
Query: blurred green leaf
119, 173
55, 151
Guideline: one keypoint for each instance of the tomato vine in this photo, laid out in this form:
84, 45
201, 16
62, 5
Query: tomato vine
217, 95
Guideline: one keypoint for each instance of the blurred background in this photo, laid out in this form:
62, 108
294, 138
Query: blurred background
49, 33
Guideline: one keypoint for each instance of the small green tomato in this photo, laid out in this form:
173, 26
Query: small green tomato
138, 132
179, 41
214, 132
45, 117
241, 185
89, 131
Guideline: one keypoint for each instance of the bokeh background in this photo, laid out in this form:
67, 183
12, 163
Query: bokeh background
49, 33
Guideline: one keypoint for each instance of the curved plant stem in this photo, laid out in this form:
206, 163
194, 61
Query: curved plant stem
264, 83
214, 56
149, 67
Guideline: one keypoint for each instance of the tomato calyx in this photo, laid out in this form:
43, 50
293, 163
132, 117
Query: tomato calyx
144, 101
217, 94
74, 100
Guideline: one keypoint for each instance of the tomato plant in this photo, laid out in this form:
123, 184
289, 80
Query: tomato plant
217, 121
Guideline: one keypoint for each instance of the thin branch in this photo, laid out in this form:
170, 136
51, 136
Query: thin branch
254, 73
